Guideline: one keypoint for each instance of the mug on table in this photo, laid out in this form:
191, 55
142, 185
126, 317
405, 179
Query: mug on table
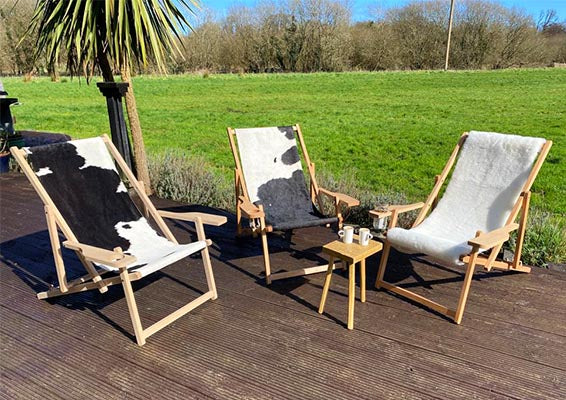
364, 236
347, 234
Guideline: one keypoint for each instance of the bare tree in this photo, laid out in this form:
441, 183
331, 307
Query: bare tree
17, 51
547, 19
319, 35
372, 46
553, 35
419, 32
515, 39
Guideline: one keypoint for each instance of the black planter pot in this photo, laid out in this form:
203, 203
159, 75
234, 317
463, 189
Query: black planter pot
4, 163
6, 115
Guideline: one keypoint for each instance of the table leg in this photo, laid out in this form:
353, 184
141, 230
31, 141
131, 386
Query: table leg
363, 280
326, 284
351, 295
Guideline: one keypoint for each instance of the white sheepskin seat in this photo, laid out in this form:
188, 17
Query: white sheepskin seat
487, 180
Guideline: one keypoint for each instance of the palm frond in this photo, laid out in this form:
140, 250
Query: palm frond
125, 32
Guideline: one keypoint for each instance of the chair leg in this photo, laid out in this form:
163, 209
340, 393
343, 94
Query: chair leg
266, 262
382, 264
466, 287
132, 306
238, 220
263, 233
206, 260
208, 272
521, 231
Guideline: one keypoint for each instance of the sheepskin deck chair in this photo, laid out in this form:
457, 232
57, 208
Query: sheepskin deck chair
271, 191
490, 185
86, 199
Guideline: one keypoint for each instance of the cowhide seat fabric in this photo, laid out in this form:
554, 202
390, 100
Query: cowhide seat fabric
491, 170
82, 180
274, 177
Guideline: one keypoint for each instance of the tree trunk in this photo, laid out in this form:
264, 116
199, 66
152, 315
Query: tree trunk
105, 67
140, 158
53, 72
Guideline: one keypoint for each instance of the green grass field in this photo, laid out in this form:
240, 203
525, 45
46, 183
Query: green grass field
392, 130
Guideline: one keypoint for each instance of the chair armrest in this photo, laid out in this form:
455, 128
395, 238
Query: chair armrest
249, 209
208, 219
493, 238
115, 258
340, 197
397, 208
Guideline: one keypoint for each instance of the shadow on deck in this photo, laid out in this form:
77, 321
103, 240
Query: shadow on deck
259, 342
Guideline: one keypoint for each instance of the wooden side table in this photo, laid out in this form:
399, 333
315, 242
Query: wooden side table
351, 254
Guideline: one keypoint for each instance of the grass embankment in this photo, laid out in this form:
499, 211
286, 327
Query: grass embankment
390, 132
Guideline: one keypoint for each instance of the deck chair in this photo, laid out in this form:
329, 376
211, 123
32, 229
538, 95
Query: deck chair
86, 199
489, 187
271, 191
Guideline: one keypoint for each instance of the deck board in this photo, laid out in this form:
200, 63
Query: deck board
258, 342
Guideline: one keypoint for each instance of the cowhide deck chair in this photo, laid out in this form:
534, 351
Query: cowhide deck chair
271, 191
489, 186
86, 199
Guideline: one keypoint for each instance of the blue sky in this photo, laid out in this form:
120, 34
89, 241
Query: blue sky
361, 8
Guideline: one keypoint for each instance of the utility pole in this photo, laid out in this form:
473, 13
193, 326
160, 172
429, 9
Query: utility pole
449, 34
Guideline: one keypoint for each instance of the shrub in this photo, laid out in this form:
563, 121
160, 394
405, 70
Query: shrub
369, 199
189, 179
192, 180
545, 239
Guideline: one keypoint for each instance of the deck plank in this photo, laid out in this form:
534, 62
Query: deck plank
258, 342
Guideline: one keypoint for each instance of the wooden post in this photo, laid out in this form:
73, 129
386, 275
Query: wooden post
449, 34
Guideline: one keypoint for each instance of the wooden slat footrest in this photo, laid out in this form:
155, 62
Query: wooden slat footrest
162, 323
303, 271
418, 298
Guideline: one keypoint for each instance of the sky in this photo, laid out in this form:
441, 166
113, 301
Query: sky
361, 9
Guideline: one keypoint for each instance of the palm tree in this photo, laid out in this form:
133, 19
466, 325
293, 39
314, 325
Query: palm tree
113, 35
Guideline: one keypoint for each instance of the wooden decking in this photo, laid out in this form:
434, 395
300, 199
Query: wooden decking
258, 342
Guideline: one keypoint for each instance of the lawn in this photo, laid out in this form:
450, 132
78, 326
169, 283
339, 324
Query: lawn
392, 130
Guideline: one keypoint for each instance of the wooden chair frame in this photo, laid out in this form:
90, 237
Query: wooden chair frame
245, 208
116, 258
493, 240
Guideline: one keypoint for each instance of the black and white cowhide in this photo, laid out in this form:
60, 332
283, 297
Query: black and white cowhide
274, 177
82, 180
